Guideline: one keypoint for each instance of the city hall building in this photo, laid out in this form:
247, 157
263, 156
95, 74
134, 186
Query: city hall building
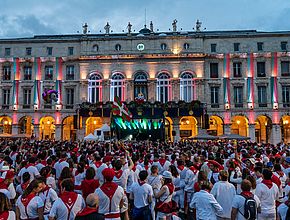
239, 79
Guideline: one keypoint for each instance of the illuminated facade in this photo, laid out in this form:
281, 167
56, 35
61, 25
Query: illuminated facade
243, 77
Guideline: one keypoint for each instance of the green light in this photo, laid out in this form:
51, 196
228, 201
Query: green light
155, 124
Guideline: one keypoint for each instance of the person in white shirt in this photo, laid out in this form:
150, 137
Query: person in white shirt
238, 205
30, 167
141, 193
268, 193
205, 204
224, 193
282, 210
5, 208
59, 165
68, 204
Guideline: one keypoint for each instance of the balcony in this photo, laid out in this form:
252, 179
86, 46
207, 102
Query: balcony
26, 106
263, 105
215, 105
69, 106
239, 105
5, 106
286, 104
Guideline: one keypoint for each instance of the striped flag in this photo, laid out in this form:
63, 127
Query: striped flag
119, 108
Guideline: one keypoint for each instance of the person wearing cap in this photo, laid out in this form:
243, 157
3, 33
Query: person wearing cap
6, 184
110, 196
165, 205
90, 212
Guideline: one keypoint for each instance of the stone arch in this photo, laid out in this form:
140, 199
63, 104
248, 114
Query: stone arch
25, 125
216, 125
162, 72
263, 128
95, 72
47, 128
188, 126
240, 125
187, 71
93, 123
5, 124
68, 130
285, 128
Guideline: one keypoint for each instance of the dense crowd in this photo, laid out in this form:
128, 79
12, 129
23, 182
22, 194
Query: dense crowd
143, 180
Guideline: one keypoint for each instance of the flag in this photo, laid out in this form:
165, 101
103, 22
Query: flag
120, 109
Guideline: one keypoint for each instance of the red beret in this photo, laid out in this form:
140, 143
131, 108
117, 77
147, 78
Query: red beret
108, 174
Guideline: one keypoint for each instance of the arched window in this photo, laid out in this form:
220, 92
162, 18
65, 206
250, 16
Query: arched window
187, 87
117, 86
95, 88
163, 88
140, 85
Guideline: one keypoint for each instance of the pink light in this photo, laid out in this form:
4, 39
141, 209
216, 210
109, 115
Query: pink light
101, 93
227, 117
57, 116
251, 117
36, 118
276, 117
14, 118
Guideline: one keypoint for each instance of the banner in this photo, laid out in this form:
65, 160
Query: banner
119, 109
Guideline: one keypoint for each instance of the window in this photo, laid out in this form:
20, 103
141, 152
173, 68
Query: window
163, 46
6, 73
284, 45
214, 70
187, 87
27, 73
70, 92
213, 48
7, 52
163, 87
260, 46
117, 86
70, 72
26, 98
262, 96
95, 48
186, 46
237, 66
286, 96
236, 47
28, 51
285, 68
118, 47
214, 97
238, 96
261, 71
49, 51
70, 51
95, 88
6, 98
48, 73
141, 85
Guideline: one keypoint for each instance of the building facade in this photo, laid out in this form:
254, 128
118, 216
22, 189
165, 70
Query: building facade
242, 77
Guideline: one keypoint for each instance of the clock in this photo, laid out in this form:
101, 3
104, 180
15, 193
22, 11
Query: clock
140, 47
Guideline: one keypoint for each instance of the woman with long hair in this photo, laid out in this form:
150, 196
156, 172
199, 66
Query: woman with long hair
65, 174
29, 205
89, 184
5, 208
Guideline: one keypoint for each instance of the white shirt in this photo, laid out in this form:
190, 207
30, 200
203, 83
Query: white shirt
122, 181
100, 176
32, 207
206, 206
267, 197
59, 210
33, 171
58, 166
48, 197
282, 211
141, 194
239, 203
190, 180
11, 216
9, 192
224, 193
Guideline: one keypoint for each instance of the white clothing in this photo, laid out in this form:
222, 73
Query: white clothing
33, 171
50, 181
100, 176
141, 194
239, 203
190, 180
58, 166
48, 197
282, 211
32, 207
122, 181
224, 193
60, 212
237, 180
206, 206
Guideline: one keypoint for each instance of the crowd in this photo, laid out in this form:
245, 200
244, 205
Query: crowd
143, 180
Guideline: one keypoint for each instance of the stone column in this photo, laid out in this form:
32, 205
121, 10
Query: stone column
176, 128
227, 128
106, 90
252, 132
57, 135
81, 133
276, 136
36, 132
152, 90
14, 129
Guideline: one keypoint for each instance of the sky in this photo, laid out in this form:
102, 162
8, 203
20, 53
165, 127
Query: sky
26, 18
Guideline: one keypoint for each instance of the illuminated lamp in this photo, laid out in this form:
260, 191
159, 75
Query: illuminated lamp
227, 106
275, 106
35, 107
250, 106
57, 107
15, 107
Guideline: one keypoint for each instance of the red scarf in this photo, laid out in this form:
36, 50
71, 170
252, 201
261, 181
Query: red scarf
280, 173
134, 168
180, 167
61, 160
98, 164
193, 169
109, 188
68, 198
170, 187
25, 201
247, 194
146, 167
2, 184
162, 162
86, 211
141, 183
268, 183
29, 165
118, 173
43, 162
24, 185
4, 215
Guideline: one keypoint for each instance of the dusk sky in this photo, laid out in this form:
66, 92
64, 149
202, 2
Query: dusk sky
25, 18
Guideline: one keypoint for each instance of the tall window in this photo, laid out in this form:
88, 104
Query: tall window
262, 96
7, 52
238, 96
213, 48
6, 98
70, 72
117, 86
140, 85
48, 73
214, 96
236, 47
70, 51
70, 93
284, 45
286, 96
285, 71
260, 46
163, 87
214, 70
6, 73
95, 88
28, 51
261, 69
237, 67
187, 87
26, 98
49, 51
27, 73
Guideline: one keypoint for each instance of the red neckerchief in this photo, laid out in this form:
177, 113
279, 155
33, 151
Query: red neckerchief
98, 164
141, 161
193, 169
24, 185
109, 188
170, 187
151, 161
196, 187
13, 153
268, 183
4, 215
146, 167
45, 189
280, 173
162, 162
141, 182
25, 201
173, 161
180, 167
134, 167
118, 173
29, 165
68, 198
61, 160
87, 211
276, 180
247, 194
2, 184
43, 162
